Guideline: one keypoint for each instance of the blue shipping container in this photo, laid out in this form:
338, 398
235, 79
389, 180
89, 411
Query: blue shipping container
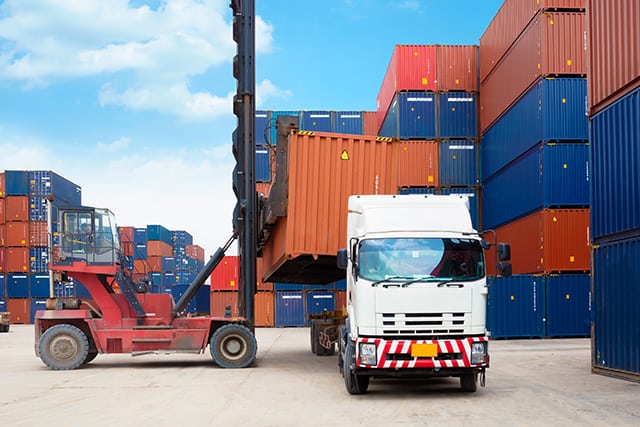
616, 318
615, 156
548, 176
263, 164
3, 304
18, 285
140, 236
181, 237
38, 260
418, 190
319, 302
318, 121
552, 110
39, 285
412, 115
289, 309
568, 305
203, 300
158, 232
63, 290
458, 115
168, 279
3, 285
168, 264
458, 165
262, 129
45, 183
515, 307
140, 251
349, 122
37, 304
16, 183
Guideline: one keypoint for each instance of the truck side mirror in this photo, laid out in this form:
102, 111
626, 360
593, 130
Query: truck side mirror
341, 259
504, 252
504, 269
485, 245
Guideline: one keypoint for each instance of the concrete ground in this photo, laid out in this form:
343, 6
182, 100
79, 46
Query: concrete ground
530, 383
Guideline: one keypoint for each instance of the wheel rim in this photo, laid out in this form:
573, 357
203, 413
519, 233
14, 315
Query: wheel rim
63, 347
233, 348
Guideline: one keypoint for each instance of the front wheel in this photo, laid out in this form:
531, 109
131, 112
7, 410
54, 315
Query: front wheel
469, 382
63, 347
354, 383
233, 346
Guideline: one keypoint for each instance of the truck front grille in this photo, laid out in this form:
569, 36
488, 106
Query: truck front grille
421, 324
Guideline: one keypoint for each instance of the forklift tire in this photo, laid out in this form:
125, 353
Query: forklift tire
354, 383
233, 346
63, 347
90, 356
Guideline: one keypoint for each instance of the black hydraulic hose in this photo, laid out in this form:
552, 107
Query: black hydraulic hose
201, 277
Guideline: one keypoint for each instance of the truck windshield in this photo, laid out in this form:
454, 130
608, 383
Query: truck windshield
424, 258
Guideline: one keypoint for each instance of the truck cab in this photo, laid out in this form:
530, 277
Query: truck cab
416, 291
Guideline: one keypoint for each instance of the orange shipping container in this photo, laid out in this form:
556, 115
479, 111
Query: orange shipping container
418, 163
20, 309
509, 22
548, 241
16, 260
128, 248
154, 263
370, 123
221, 299
16, 234
264, 303
263, 188
16, 208
126, 234
309, 199
262, 285
341, 300
457, 68
38, 235
553, 44
195, 252
2, 204
159, 248
140, 266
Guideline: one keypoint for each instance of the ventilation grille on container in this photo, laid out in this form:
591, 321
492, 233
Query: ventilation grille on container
423, 323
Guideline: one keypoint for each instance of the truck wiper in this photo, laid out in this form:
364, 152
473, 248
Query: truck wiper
422, 279
448, 283
389, 279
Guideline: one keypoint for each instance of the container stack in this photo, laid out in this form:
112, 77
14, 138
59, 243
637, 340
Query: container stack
535, 165
225, 292
614, 109
430, 93
167, 259
24, 238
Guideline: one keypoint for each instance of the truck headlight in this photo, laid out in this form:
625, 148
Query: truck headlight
368, 354
478, 353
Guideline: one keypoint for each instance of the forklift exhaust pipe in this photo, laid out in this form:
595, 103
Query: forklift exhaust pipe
201, 278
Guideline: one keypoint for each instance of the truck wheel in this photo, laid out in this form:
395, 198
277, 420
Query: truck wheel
320, 349
63, 347
90, 356
4, 328
313, 333
354, 383
233, 346
469, 382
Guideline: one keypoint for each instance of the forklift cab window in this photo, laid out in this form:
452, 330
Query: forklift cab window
78, 237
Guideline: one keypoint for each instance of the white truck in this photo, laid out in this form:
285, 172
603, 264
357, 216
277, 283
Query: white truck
416, 291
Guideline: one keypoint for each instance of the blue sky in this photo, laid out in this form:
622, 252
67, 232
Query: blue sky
131, 100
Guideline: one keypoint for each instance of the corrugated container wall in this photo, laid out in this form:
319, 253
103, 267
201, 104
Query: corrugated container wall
568, 305
289, 310
548, 241
412, 115
417, 163
458, 163
317, 121
350, 122
509, 22
457, 115
552, 45
457, 68
616, 318
550, 175
614, 43
615, 181
552, 110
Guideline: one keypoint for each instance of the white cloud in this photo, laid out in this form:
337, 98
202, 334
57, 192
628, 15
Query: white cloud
266, 89
150, 55
117, 145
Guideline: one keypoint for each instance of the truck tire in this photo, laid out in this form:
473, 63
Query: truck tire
63, 347
4, 328
469, 382
90, 356
354, 383
233, 346
313, 333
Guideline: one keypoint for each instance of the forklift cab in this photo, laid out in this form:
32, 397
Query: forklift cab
87, 234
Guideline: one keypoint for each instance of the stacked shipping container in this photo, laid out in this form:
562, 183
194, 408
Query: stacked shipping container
535, 163
614, 108
24, 237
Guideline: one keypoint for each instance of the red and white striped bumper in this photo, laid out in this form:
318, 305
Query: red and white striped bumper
397, 354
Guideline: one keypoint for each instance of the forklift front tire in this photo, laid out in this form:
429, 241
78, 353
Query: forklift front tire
63, 347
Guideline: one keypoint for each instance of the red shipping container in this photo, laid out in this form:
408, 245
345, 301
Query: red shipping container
1, 184
263, 188
221, 299
154, 264
412, 67
195, 252
264, 304
1, 261
2, 236
614, 50
159, 248
225, 275
126, 234
38, 234
16, 234
417, 163
369, 123
16, 208
457, 68
2, 203
548, 241
509, 22
128, 248
20, 309
552, 45
16, 260
261, 285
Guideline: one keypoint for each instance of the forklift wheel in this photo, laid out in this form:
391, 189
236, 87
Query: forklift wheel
63, 347
233, 346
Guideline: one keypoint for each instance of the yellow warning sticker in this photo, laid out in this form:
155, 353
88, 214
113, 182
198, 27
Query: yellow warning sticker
344, 155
